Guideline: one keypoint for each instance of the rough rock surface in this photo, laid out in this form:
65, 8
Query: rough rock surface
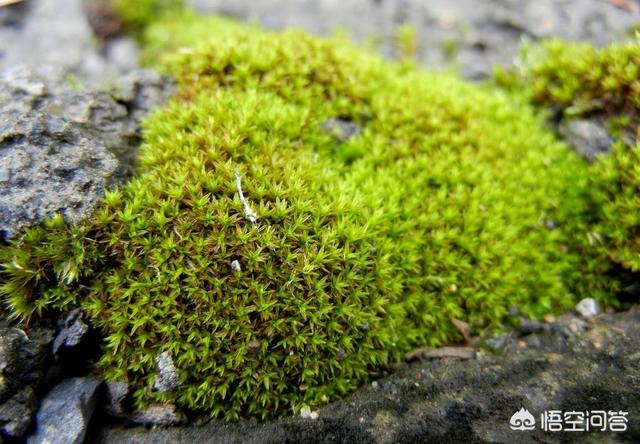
158, 414
341, 129
65, 412
167, 378
569, 364
16, 413
470, 34
56, 32
72, 331
61, 146
587, 137
23, 360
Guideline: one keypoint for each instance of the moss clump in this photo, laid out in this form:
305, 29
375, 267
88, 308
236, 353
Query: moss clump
338, 256
137, 15
580, 81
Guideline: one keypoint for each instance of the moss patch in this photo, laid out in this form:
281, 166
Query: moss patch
580, 81
279, 265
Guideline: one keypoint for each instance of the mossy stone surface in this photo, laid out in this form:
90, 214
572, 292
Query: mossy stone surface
279, 266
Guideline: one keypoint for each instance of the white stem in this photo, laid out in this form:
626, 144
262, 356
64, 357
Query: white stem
248, 212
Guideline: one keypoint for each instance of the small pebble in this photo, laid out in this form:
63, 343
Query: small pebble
587, 308
306, 413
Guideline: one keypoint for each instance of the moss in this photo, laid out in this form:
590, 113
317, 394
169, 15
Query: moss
407, 40
278, 265
137, 15
581, 81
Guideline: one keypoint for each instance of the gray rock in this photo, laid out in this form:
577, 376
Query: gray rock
123, 53
116, 393
143, 90
456, 401
65, 412
586, 137
498, 343
587, 308
168, 377
54, 32
61, 146
341, 129
72, 331
528, 326
159, 414
16, 414
12, 15
472, 35
23, 359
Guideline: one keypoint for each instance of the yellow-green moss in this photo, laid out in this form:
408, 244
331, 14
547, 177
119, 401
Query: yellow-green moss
580, 81
136, 15
452, 202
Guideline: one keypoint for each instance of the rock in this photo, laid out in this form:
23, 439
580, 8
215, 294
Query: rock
116, 393
143, 90
587, 308
65, 412
586, 137
456, 400
442, 352
307, 413
498, 343
72, 331
527, 326
61, 146
123, 53
57, 33
13, 14
23, 359
168, 378
16, 414
49, 162
341, 129
159, 414
470, 35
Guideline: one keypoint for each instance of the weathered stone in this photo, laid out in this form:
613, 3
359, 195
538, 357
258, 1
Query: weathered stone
17, 413
61, 146
159, 414
72, 331
22, 359
54, 32
341, 129
471, 35
528, 326
65, 412
586, 137
167, 379
117, 392
587, 308
457, 401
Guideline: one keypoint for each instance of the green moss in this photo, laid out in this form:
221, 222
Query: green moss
453, 202
138, 14
580, 81
407, 40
